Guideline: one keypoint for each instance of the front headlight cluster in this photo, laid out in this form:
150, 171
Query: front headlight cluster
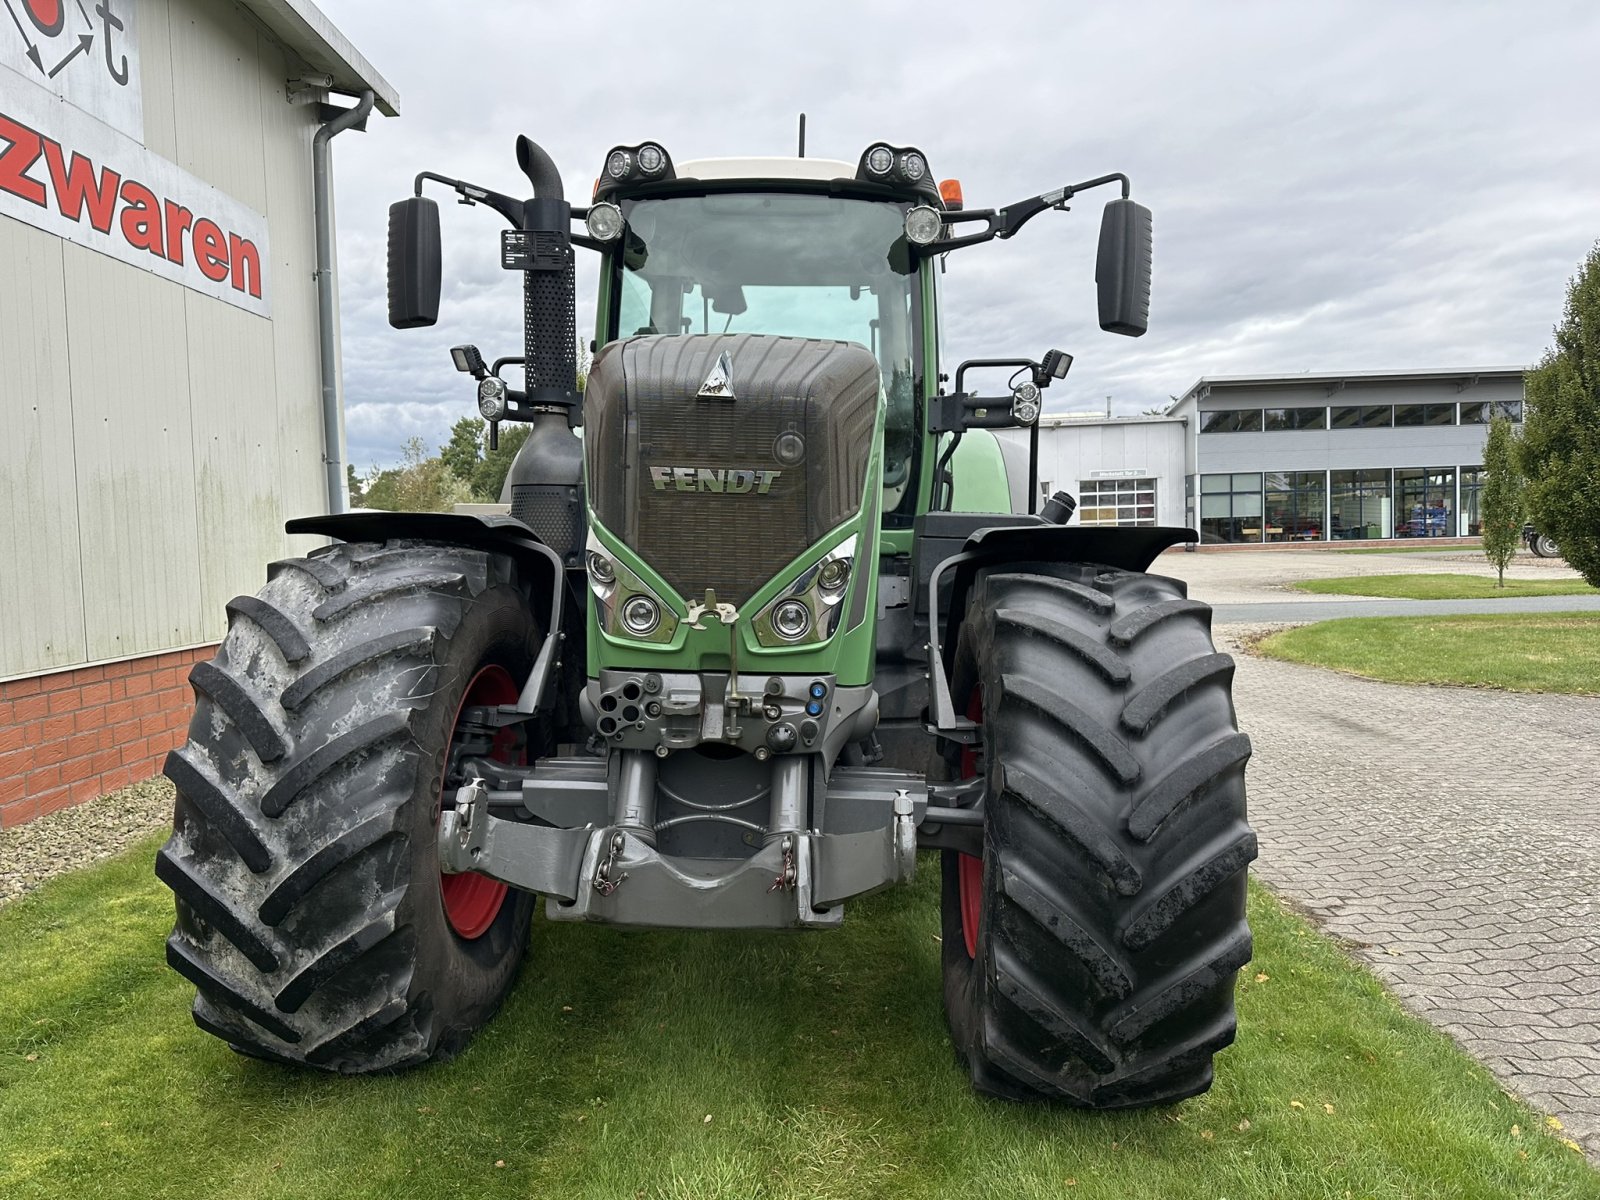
628, 607
809, 609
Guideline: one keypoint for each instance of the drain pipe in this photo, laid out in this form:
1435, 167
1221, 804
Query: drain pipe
328, 295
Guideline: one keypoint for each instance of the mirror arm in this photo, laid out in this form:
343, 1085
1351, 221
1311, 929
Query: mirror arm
1014, 216
471, 193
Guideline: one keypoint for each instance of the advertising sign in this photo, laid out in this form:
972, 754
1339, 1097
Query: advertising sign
72, 160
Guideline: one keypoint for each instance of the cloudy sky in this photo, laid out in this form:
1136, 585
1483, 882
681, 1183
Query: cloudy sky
1345, 186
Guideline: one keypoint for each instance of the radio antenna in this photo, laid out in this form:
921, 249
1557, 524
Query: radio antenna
802, 135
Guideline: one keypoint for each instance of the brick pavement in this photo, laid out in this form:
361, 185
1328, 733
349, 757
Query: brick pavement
1453, 837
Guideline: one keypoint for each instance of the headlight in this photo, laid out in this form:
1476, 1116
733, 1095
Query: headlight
641, 615
492, 398
604, 221
923, 225
834, 575
791, 620
601, 569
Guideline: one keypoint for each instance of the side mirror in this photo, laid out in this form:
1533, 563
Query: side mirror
1122, 268
414, 263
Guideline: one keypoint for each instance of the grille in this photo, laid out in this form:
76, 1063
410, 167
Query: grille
554, 513
642, 416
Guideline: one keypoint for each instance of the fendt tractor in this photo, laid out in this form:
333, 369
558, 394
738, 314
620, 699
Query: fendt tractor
763, 622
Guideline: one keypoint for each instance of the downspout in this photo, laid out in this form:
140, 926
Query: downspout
328, 296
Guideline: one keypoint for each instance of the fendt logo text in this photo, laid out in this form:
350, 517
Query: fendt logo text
711, 479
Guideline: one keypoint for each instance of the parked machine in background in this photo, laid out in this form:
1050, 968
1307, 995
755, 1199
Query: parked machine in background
1541, 544
733, 659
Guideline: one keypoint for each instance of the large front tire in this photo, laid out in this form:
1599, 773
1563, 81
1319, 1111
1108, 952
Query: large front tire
311, 913
1090, 955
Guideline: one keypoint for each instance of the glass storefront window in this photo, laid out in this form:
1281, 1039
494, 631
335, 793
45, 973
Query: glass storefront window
1230, 508
1296, 418
1471, 493
1231, 420
1359, 505
1361, 416
1424, 502
1296, 502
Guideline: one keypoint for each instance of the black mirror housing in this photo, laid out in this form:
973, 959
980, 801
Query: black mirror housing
415, 263
1122, 268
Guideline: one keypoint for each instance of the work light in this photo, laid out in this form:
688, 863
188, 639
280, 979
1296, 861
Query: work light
923, 225
618, 164
880, 160
651, 158
604, 221
492, 398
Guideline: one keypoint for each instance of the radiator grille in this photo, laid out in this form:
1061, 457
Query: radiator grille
642, 418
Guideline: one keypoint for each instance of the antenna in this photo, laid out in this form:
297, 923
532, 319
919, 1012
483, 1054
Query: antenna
802, 135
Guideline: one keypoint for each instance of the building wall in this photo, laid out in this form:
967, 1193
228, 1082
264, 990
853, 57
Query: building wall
157, 438
1073, 451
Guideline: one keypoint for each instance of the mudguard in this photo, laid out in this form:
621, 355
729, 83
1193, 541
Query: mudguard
1127, 548
502, 535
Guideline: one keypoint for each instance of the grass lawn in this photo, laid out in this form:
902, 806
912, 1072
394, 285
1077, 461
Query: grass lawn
1521, 652
1443, 587
700, 1066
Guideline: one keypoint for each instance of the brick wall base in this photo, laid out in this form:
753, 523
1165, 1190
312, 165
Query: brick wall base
73, 735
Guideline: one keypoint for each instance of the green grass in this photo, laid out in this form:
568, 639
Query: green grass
1443, 587
821, 1061
1520, 652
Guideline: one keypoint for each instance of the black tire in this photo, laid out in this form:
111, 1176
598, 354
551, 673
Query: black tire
1544, 546
303, 855
1111, 911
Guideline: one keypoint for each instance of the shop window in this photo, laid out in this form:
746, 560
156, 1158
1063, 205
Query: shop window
1117, 502
1296, 502
1359, 505
1231, 420
1424, 502
1296, 418
1361, 416
1230, 508
1484, 411
1471, 500
1425, 414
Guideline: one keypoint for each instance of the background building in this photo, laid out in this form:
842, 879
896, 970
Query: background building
1335, 457
1286, 458
159, 357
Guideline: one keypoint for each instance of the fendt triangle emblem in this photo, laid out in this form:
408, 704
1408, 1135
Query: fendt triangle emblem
717, 385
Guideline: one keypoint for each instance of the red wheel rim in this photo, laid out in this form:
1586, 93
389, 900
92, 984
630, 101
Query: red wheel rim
473, 901
969, 869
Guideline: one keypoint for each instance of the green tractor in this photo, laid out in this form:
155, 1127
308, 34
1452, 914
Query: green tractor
760, 626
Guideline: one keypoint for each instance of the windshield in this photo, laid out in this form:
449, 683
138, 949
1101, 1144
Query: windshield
799, 265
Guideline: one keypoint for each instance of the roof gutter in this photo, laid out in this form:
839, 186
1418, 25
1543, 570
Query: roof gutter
328, 298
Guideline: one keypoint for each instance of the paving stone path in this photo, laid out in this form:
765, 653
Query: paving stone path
1453, 836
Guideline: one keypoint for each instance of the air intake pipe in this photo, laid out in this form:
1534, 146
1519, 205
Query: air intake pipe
549, 303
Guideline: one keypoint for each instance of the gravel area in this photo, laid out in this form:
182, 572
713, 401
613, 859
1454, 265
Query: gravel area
76, 837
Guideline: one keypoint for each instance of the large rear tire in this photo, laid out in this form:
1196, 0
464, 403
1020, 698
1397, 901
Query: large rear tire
311, 913
1544, 546
1090, 955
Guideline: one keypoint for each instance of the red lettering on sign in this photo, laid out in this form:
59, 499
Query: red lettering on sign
178, 219
246, 265
20, 153
141, 218
75, 183
210, 250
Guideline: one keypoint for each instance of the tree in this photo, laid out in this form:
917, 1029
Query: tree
490, 475
353, 485
464, 451
420, 484
1560, 445
1501, 505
